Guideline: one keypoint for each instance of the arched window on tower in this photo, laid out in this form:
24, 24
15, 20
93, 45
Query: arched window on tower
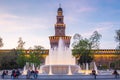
60, 20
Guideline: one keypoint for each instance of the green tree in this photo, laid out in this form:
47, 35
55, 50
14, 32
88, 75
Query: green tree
82, 47
21, 59
34, 58
83, 52
37, 54
8, 60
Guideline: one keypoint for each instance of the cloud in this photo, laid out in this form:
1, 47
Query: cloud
13, 23
29, 28
100, 27
85, 9
7, 16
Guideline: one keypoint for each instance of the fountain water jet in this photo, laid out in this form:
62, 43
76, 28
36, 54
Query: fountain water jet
60, 61
69, 71
95, 67
86, 71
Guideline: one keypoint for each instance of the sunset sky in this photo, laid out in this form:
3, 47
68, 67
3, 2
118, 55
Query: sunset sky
34, 20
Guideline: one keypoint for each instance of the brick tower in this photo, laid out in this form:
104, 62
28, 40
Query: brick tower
59, 31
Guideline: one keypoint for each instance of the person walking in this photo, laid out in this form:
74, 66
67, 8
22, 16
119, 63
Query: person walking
28, 74
12, 74
35, 74
17, 73
116, 74
94, 73
3, 74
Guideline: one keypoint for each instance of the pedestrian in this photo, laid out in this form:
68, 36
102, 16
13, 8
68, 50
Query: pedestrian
32, 73
94, 73
17, 73
12, 74
6, 72
28, 74
116, 74
3, 74
35, 74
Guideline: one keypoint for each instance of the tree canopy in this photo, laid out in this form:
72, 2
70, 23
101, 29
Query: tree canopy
82, 47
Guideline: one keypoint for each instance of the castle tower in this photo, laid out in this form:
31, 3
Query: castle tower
59, 31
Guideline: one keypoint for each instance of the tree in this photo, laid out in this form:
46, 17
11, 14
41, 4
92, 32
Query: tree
1, 42
21, 59
94, 40
117, 38
83, 52
38, 51
77, 37
21, 44
117, 52
34, 58
82, 47
8, 60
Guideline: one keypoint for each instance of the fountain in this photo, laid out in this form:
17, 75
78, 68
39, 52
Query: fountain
95, 67
60, 61
27, 67
69, 71
86, 71
24, 71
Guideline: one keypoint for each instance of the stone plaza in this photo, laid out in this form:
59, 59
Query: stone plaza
65, 77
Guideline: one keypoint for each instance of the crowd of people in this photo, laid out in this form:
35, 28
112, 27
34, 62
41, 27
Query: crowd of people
5, 72
32, 74
15, 73
116, 73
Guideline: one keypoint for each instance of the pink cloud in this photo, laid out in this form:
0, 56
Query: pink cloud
86, 9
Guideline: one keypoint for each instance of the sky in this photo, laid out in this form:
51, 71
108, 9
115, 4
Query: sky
34, 20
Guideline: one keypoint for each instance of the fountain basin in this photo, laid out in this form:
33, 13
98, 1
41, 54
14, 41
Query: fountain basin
60, 69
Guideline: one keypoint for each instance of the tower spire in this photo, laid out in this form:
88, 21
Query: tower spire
59, 5
59, 30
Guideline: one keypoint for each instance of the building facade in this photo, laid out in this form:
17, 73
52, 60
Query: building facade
59, 31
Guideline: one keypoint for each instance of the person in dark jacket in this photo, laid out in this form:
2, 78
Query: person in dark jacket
17, 73
116, 73
3, 74
35, 74
94, 73
13, 74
